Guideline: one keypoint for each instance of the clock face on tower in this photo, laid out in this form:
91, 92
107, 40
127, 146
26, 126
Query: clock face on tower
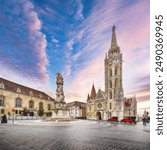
99, 105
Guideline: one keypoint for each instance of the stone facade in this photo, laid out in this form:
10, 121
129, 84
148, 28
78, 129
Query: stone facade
77, 109
96, 104
19, 97
110, 103
130, 107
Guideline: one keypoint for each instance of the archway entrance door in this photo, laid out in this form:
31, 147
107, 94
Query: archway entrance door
98, 115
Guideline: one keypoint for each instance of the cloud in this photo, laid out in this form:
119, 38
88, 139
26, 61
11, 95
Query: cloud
79, 14
23, 45
95, 38
55, 41
76, 42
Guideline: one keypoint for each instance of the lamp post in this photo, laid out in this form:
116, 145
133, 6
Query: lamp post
13, 110
107, 114
0, 113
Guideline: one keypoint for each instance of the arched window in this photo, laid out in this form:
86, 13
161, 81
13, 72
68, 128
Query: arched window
40, 106
110, 94
31, 104
116, 71
110, 72
110, 84
18, 102
49, 106
2, 100
110, 105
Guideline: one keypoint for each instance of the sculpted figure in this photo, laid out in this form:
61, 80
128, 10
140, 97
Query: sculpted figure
59, 90
59, 79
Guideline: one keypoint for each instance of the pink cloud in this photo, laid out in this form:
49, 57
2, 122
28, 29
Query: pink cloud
132, 36
37, 37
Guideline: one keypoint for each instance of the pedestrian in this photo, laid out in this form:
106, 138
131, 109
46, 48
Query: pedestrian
145, 116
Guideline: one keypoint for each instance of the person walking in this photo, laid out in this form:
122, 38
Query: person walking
145, 116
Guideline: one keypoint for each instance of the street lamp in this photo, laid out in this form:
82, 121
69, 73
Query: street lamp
107, 114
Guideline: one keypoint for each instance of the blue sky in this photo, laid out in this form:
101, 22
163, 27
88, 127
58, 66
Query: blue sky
40, 38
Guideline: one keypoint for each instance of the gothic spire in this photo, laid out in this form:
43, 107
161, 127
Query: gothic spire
88, 98
113, 40
114, 46
93, 92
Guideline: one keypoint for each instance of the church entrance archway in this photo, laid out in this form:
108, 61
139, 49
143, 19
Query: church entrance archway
98, 115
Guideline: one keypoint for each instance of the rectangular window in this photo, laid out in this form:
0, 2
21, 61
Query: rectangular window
49, 106
18, 102
110, 105
2, 111
1, 100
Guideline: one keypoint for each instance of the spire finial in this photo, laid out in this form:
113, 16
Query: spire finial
114, 40
88, 98
113, 28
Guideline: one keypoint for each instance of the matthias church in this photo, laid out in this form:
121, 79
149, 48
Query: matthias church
111, 102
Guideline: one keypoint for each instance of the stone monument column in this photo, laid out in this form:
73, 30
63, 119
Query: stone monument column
59, 91
60, 110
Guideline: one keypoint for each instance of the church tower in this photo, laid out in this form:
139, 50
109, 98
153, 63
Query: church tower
113, 79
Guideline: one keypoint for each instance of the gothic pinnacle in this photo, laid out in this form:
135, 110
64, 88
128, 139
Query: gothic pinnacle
114, 40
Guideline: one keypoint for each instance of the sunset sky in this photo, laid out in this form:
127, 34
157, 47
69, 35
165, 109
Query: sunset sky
42, 37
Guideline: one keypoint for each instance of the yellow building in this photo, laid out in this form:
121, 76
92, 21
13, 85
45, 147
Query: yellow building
22, 98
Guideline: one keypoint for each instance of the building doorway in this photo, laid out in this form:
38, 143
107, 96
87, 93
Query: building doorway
98, 115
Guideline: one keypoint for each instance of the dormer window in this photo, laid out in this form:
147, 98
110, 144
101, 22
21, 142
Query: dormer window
40, 95
18, 90
31, 94
2, 86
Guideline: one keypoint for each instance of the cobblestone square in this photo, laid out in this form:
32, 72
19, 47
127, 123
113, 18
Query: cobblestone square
78, 135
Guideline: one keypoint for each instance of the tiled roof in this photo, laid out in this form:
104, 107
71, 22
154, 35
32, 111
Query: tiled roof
18, 88
93, 92
100, 94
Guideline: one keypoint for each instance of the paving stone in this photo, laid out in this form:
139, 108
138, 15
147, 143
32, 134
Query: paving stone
81, 135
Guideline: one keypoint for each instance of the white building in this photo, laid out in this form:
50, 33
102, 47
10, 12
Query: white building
77, 109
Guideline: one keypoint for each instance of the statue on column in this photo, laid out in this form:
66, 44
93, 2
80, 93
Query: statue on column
60, 111
59, 91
